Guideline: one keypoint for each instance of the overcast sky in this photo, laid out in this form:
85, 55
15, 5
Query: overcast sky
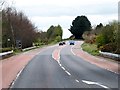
44, 13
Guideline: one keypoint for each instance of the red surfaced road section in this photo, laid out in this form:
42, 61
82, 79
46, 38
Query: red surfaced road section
11, 66
56, 53
103, 63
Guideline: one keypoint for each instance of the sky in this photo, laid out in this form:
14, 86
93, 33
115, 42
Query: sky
44, 13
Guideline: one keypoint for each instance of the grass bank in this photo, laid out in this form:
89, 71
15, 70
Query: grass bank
90, 48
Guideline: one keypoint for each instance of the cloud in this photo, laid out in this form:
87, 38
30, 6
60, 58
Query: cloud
67, 7
45, 13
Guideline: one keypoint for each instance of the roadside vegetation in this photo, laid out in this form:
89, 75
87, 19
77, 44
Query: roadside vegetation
106, 38
18, 32
90, 48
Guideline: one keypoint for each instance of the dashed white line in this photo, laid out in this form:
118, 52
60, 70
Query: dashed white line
58, 61
76, 80
63, 68
60, 65
111, 71
68, 73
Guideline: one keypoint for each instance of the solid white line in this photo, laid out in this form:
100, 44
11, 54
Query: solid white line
72, 51
68, 73
17, 77
59, 54
96, 83
52, 55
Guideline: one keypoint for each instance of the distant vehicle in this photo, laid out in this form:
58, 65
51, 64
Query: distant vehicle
60, 43
64, 42
72, 42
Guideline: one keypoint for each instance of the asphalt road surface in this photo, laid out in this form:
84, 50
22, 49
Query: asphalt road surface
69, 72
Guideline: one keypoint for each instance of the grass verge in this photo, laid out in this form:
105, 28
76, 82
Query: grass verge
90, 48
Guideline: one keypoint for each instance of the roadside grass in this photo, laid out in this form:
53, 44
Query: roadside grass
90, 48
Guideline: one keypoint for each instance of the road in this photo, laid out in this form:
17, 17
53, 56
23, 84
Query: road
64, 70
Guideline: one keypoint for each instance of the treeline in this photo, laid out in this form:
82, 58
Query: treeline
18, 29
106, 37
52, 35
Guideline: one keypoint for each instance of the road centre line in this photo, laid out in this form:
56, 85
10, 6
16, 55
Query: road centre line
77, 80
67, 72
63, 68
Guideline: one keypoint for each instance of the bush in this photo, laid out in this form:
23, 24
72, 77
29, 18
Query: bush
111, 47
58, 38
89, 37
5, 49
90, 48
100, 40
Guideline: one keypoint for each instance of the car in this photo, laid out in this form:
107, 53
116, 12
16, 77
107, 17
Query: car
60, 43
64, 42
71, 42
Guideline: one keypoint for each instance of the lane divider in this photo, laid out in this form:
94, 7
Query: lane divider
77, 80
68, 73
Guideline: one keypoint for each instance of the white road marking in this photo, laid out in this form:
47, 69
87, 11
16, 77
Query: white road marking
111, 71
58, 61
68, 73
63, 68
52, 55
76, 80
60, 65
91, 62
17, 77
72, 51
96, 83
58, 54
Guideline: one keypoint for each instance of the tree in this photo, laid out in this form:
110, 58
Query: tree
79, 26
54, 32
16, 26
99, 26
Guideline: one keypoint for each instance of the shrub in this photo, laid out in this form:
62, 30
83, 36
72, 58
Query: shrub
90, 48
111, 47
89, 37
100, 40
5, 49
